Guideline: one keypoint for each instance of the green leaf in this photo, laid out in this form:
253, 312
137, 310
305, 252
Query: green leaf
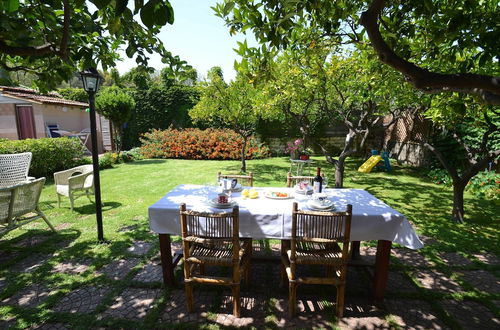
148, 14
228, 7
130, 51
12, 5
138, 5
161, 15
114, 25
170, 16
120, 7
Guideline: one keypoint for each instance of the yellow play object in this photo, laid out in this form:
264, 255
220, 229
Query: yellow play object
370, 164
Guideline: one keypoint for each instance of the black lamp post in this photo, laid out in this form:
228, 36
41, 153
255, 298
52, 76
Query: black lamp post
91, 82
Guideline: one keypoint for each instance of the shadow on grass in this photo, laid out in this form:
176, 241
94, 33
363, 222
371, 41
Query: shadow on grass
147, 162
90, 208
429, 206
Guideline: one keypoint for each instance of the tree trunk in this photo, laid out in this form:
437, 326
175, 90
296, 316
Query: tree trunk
243, 154
117, 137
339, 171
458, 200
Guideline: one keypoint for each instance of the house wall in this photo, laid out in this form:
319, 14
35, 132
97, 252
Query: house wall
72, 119
39, 121
8, 125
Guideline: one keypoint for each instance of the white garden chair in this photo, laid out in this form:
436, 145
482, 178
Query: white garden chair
74, 183
19, 205
14, 168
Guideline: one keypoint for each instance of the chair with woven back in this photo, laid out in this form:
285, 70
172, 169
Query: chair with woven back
19, 205
316, 239
292, 180
247, 179
74, 183
212, 239
14, 168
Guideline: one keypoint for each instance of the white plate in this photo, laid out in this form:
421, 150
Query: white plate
307, 191
269, 194
328, 204
213, 202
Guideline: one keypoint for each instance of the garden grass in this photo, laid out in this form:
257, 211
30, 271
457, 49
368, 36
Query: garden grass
128, 189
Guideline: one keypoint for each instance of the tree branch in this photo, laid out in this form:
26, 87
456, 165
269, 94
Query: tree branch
486, 87
451, 170
43, 50
63, 48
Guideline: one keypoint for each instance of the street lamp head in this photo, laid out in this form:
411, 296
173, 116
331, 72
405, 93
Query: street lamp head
91, 80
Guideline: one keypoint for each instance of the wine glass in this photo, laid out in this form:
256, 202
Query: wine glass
325, 181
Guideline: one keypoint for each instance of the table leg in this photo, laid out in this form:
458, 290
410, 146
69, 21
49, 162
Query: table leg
381, 269
355, 250
167, 265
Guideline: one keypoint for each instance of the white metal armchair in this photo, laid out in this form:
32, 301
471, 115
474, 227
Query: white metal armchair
19, 205
74, 183
14, 168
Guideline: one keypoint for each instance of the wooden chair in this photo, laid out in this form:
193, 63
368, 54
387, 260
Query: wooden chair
74, 183
19, 205
291, 180
315, 241
14, 168
212, 239
248, 179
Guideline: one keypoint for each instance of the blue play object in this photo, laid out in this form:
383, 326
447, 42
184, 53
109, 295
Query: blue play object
387, 162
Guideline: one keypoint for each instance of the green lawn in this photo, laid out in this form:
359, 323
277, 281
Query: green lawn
128, 189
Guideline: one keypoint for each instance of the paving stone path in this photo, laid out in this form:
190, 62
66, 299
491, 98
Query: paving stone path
127, 292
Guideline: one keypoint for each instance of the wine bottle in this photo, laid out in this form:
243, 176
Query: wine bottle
318, 182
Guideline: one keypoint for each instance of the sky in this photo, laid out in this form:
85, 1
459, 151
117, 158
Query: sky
198, 37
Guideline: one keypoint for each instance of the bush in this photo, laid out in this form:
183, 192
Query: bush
193, 143
131, 155
107, 160
485, 185
49, 155
158, 108
440, 176
75, 94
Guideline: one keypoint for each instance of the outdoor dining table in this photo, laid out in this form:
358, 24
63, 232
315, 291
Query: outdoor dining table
264, 218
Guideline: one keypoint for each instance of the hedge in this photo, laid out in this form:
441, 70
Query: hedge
158, 108
49, 154
193, 143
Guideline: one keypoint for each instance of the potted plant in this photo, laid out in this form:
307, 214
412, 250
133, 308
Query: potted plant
305, 153
294, 148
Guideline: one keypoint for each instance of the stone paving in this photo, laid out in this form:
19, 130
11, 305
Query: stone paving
127, 292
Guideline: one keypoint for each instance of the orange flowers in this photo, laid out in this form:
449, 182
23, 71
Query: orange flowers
192, 143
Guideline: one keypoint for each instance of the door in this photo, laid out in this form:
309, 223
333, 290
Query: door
25, 122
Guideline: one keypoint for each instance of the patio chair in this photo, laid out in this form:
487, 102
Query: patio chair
212, 239
248, 179
52, 130
14, 168
291, 180
19, 205
74, 183
315, 241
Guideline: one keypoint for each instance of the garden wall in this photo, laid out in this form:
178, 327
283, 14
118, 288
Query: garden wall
410, 153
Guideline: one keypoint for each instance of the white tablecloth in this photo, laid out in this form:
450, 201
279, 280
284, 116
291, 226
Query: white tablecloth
261, 218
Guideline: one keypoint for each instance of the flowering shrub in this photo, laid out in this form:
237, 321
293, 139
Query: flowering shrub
193, 143
439, 176
294, 147
485, 185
